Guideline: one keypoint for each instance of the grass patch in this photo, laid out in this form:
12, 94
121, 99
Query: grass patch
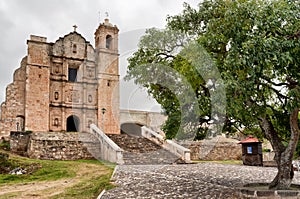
86, 178
89, 188
38, 170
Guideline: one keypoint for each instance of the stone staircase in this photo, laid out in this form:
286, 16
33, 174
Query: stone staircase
139, 150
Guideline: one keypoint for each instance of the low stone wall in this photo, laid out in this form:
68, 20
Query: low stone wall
268, 156
19, 142
58, 146
215, 149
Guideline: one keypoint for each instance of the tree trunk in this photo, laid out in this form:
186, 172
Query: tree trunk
285, 173
283, 155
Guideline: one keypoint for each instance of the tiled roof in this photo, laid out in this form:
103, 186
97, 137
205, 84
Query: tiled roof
249, 140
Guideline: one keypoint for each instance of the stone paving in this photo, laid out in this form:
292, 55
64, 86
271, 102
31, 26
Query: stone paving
203, 180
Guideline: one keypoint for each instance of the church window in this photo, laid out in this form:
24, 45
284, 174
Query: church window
74, 48
56, 122
56, 95
108, 82
72, 75
108, 41
90, 72
56, 68
90, 98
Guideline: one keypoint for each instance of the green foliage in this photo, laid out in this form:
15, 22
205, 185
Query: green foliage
201, 134
172, 80
5, 145
255, 45
3, 158
266, 150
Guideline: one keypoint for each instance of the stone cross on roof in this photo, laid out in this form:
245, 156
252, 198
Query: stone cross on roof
75, 27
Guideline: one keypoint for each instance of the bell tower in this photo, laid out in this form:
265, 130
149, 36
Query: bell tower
106, 45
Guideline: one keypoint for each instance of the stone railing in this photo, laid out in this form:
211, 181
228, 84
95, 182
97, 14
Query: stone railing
169, 145
109, 150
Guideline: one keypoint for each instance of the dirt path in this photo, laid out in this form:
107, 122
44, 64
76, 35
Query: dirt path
47, 189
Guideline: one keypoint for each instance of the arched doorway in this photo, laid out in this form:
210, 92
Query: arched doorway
72, 123
133, 129
20, 123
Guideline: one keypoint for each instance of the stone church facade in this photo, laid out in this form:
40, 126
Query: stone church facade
66, 85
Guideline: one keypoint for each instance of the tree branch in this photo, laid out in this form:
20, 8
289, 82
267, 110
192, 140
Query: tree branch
273, 83
166, 56
271, 134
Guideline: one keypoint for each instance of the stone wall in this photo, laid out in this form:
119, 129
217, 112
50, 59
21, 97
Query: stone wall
13, 110
215, 149
19, 142
268, 156
54, 145
154, 120
57, 146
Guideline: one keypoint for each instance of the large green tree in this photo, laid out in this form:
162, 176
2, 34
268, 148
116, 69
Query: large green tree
255, 45
172, 80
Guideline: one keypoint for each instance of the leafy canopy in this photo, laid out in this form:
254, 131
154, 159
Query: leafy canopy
255, 46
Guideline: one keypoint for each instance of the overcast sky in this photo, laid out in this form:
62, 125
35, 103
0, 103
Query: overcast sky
54, 18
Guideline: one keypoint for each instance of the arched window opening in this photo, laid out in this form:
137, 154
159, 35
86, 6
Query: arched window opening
56, 122
90, 99
72, 124
108, 41
56, 95
74, 48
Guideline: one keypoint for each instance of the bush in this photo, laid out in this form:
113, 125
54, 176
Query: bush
5, 145
266, 150
3, 158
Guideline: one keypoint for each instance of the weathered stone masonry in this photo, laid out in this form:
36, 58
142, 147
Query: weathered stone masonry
65, 85
54, 145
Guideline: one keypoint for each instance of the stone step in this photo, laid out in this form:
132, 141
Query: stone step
134, 143
141, 151
160, 156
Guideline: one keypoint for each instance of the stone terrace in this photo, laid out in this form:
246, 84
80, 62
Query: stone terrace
203, 180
